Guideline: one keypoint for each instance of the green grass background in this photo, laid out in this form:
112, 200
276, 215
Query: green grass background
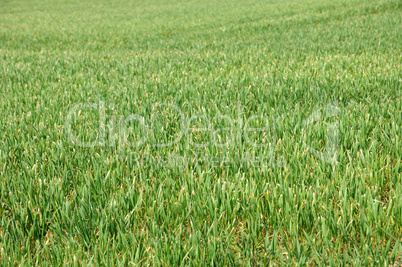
61, 203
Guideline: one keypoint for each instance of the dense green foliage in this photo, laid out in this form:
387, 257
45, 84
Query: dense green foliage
226, 66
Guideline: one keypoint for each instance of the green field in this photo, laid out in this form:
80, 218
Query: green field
201, 133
